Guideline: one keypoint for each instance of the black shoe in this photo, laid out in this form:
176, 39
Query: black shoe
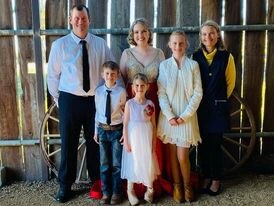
204, 190
63, 195
212, 193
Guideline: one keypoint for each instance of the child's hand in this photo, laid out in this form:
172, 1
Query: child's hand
180, 121
95, 137
127, 147
173, 122
122, 140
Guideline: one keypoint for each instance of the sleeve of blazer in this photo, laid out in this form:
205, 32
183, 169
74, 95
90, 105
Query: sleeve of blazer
162, 91
195, 97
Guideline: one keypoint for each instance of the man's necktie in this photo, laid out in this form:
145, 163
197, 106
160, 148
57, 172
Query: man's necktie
86, 82
108, 108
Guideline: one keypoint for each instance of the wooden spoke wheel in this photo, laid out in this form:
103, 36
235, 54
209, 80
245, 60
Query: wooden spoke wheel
50, 144
239, 142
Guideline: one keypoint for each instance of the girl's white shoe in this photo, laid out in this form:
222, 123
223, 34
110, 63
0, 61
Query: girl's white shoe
149, 195
133, 200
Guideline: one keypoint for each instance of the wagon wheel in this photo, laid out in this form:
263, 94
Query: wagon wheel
50, 144
239, 142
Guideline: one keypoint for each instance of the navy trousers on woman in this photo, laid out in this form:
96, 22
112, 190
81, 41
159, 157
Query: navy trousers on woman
211, 156
76, 112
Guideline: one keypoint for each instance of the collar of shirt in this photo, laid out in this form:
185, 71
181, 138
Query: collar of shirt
77, 39
112, 88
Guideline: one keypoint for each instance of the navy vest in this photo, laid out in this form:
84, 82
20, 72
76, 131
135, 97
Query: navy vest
213, 112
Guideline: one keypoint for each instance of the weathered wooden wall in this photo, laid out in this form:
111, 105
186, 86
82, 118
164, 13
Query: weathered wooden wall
269, 83
9, 118
19, 105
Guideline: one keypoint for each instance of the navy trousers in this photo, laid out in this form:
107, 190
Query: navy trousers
211, 157
76, 112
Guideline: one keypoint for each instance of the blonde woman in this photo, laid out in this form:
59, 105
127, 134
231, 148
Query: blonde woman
218, 76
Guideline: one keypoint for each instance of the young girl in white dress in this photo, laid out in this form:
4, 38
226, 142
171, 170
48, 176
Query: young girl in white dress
179, 93
139, 164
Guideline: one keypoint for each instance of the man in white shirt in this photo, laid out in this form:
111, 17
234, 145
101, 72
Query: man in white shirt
76, 104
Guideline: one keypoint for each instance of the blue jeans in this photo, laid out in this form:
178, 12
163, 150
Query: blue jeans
110, 161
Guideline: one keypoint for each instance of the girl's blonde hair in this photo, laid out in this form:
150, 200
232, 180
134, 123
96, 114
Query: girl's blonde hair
144, 22
180, 33
140, 76
220, 43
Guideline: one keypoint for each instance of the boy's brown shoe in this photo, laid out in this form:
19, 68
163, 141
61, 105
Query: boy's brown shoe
115, 199
105, 200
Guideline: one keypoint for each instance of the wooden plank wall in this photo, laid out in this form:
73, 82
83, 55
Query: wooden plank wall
19, 91
254, 53
9, 116
269, 98
34, 164
119, 19
233, 40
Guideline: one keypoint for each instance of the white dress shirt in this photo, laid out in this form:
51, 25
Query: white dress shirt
65, 64
118, 100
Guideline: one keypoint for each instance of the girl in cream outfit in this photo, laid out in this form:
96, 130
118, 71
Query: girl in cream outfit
179, 92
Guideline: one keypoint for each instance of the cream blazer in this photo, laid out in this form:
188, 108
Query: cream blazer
167, 82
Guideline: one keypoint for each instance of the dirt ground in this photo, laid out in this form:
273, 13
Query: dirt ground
242, 190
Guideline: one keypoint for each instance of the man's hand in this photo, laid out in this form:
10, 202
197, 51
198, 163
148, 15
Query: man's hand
95, 137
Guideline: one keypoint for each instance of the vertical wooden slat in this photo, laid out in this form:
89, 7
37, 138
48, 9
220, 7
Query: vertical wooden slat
119, 19
254, 61
9, 125
211, 9
56, 18
73, 2
145, 9
269, 83
254, 58
188, 15
233, 40
166, 18
30, 109
98, 13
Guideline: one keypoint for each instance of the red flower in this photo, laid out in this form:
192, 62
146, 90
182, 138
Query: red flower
149, 110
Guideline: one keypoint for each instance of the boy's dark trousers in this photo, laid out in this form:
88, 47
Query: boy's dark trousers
110, 159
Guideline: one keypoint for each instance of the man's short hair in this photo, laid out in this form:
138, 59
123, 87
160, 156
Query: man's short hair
80, 7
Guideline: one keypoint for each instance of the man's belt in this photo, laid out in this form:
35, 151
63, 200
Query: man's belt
110, 127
